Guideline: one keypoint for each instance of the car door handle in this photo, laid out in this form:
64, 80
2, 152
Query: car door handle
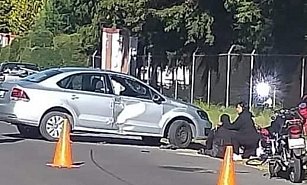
74, 97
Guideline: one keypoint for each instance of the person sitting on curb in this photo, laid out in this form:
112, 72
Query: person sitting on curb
218, 139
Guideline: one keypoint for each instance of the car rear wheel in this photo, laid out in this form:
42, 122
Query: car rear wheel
180, 134
28, 131
52, 123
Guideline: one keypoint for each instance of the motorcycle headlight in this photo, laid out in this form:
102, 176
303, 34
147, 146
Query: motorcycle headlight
202, 114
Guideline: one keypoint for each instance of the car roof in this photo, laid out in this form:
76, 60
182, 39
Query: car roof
86, 69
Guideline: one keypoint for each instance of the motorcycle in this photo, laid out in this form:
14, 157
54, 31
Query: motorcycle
289, 156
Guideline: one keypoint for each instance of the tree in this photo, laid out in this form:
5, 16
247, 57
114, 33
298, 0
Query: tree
289, 18
248, 23
186, 18
4, 15
23, 15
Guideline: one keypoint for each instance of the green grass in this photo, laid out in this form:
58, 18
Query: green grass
262, 118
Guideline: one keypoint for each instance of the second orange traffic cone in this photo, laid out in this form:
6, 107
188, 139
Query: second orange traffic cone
227, 171
63, 155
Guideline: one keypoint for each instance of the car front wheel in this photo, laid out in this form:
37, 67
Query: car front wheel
52, 123
180, 134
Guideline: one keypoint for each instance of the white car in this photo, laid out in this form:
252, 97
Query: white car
98, 101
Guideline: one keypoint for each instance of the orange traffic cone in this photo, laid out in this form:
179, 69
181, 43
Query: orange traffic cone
227, 170
63, 155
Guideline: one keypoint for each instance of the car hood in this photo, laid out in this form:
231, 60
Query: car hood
182, 104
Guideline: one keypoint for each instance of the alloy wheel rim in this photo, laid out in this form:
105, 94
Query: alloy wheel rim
182, 134
54, 126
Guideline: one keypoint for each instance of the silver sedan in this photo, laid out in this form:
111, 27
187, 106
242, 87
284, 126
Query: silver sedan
98, 101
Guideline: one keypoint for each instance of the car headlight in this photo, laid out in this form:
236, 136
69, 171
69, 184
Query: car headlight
202, 114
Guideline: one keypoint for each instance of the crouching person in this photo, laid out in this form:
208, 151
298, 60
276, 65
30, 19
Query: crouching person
246, 134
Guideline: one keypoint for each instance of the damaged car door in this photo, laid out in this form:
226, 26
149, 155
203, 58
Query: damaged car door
134, 108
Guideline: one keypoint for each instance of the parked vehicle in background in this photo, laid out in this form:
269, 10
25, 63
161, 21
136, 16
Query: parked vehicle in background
98, 101
290, 155
16, 70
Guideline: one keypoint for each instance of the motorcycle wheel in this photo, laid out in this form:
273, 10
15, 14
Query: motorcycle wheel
296, 172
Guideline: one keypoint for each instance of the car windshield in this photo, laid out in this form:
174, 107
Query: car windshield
42, 75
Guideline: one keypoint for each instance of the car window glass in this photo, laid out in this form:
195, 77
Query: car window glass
86, 82
154, 93
129, 87
98, 84
76, 82
64, 83
42, 75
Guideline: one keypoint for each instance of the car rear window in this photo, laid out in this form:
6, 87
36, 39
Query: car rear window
42, 75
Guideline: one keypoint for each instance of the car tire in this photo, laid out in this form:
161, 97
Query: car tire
180, 134
51, 124
148, 140
28, 131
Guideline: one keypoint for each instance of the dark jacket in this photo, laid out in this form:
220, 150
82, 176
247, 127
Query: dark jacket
244, 125
220, 136
217, 141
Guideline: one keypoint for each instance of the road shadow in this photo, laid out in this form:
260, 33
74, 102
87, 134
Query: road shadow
196, 169
196, 146
86, 139
104, 140
7, 140
126, 141
107, 140
19, 136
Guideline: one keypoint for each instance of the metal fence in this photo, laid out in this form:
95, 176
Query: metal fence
253, 78
226, 78
229, 78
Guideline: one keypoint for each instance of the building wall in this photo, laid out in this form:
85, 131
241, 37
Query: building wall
6, 39
117, 49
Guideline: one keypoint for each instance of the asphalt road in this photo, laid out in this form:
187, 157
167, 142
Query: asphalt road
119, 162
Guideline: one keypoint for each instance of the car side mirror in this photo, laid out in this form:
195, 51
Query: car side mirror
156, 98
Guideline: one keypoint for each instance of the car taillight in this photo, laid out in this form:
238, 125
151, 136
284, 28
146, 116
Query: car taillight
295, 131
19, 94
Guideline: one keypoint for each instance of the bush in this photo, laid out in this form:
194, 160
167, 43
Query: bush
262, 117
43, 48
